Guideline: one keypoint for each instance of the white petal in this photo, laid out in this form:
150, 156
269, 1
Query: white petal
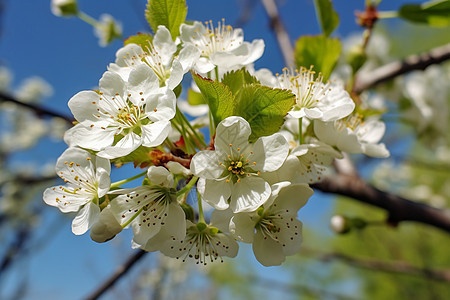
66, 202
84, 105
270, 152
164, 44
206, 165
85, 218
215, 192
154, 134
242, 227
249, 194
293, 197
233, 130
160, 106
93, 138
142, 80
188, 56
174, 223
124, 146
376, 150
111, 83
267, 251
221, 219
160, 176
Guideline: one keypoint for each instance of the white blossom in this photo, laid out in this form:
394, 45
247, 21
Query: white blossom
159, 56
220, 46
87, 178
353, 135
274, 229
122, 115
230, 175
107, 29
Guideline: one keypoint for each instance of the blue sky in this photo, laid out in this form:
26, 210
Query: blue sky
65, 53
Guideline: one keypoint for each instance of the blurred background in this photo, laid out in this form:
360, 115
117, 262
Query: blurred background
45, 60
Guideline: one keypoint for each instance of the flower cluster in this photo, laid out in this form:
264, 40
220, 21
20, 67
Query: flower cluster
270, 136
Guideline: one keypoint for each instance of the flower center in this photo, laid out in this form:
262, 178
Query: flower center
216, 39
352, 122
236, 167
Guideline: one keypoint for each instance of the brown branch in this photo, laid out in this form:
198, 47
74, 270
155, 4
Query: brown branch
394, 69
284, 42
398, 267
398, 208
40, 111
122, 270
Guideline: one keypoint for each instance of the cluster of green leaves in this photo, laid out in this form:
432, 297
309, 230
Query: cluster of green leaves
434, 13
320, 51
240, 94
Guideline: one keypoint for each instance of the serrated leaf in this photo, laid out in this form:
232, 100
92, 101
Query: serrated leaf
235, 80
170, 13
194, 98
218, 97
141, 39
433, 13
319, 51
264, 108
327, 16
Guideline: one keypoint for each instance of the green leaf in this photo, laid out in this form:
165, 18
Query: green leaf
139, 157
170, 13
327, 16
264, 108
194, 98
218, 97
141, 39
318, 51
433, 13
235, 80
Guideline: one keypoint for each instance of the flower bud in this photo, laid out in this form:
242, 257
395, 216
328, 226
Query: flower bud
107, 30
106, 227
340, 224
356, 57
64, 8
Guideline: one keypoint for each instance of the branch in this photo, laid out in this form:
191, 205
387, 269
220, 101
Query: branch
394, 69
122, 270
284, 42
40, 111
398, 208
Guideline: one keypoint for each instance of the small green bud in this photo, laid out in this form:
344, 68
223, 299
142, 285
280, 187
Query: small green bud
356, 57
64, 8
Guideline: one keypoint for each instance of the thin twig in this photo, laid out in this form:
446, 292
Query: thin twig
394, 69
399, 209
122, 270
40, 111
284, 42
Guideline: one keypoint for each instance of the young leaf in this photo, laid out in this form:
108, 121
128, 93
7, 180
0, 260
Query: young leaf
194, 98
217, 95
434, 13
327, 16
235, 80
170, 13
318, 51
141, 39
264, 108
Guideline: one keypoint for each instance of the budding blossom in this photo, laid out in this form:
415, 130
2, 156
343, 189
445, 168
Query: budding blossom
87, 178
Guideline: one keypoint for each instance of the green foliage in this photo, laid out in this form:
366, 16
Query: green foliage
141, 39
318, 51
217, 95
327, 16
264, 108
432, 13
235, 80
194, 98
240, 94
170, 13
